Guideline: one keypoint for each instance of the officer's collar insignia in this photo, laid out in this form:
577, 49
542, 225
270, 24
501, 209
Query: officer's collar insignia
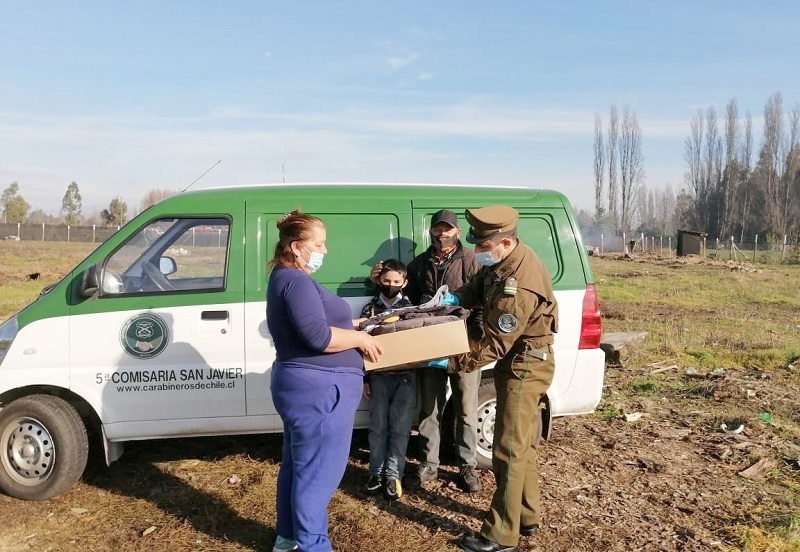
507, 323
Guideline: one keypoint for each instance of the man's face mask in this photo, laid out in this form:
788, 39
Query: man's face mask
445, 239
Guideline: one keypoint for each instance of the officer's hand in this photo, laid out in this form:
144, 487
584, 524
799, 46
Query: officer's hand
376, 272
449, 299
440, 363
475, 327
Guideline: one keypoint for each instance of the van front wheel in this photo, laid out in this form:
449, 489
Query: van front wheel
44, 447
487, 414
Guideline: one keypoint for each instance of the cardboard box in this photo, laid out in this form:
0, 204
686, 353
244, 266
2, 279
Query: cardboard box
417, 345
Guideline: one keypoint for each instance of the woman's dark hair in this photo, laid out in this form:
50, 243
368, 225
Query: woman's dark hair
292, 227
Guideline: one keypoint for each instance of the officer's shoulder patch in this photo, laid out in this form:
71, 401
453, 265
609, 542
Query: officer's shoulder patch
510, 286
507, 323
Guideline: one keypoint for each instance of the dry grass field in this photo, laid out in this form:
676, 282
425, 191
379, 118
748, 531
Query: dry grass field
650, 470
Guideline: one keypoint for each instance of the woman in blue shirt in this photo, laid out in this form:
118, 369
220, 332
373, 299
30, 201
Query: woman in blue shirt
316, 382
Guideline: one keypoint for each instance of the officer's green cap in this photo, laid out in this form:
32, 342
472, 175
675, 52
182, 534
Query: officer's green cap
488, 221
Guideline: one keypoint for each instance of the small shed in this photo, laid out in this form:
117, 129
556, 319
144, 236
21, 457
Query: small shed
691, 242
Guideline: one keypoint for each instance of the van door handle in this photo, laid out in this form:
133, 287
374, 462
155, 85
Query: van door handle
214, 315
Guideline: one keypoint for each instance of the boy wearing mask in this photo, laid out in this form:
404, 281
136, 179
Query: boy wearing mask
391, 395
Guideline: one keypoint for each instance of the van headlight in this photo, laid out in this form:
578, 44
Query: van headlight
8, 331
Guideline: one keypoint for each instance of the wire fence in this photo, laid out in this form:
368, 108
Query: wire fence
199, 236
56, 232
754, 250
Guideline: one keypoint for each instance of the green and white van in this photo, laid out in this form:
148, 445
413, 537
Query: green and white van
161, 331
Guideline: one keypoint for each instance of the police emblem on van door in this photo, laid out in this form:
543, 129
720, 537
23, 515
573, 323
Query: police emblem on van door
144, 336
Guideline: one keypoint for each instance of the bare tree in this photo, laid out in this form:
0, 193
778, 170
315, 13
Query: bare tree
732, 169
613, 139
771, 162
745, 198
789, 180
665, 211
599, 166
713, 173
630, 167
695, 175
154, 196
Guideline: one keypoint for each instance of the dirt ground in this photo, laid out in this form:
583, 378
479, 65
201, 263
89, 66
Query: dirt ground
667, 481
652, 469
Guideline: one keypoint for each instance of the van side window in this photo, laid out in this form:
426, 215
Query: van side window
170, 255
538, 231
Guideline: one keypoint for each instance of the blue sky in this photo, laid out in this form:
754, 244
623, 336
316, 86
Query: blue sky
126, 97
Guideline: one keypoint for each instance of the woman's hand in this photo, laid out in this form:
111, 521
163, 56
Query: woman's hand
367, 391
369, 347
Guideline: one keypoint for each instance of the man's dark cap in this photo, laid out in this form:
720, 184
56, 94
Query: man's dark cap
488, 221
445, 216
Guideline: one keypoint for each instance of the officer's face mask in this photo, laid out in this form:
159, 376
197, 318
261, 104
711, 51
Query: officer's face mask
314, 262
389, 291
486, 258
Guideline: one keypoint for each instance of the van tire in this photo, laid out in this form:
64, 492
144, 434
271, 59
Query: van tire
487, 412
47, 431
487, 407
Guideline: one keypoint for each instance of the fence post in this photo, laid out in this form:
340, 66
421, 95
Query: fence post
602, 244
755, 249
18, 225
193, 236
704, 247
669, 244
731, 247
93, 233
42, 231
624, 243
219, 237
67, 233
783, 249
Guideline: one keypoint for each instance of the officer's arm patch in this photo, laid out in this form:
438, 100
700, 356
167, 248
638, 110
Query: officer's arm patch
507, 323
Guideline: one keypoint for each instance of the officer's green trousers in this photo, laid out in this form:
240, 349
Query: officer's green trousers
520, 383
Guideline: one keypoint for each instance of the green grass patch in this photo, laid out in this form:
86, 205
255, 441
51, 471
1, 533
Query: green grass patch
607, 412
646, 386
703, 314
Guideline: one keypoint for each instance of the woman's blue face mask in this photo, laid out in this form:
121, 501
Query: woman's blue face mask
314, 262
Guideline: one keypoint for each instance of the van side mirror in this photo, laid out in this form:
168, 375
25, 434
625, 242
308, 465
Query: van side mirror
167, 266
89, 282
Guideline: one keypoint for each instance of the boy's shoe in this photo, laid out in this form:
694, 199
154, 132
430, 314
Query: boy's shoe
282, 544
468, 480
373, 484
393, 489
423, 474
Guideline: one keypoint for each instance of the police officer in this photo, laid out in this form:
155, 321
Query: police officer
520, 317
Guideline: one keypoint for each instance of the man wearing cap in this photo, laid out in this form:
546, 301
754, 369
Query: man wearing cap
520, 318
445, 262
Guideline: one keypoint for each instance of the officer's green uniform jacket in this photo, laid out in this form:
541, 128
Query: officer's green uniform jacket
518, 304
